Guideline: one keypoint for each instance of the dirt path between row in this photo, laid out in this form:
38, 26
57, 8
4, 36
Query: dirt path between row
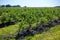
38, 29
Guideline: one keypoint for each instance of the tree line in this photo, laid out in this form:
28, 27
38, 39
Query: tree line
8, 5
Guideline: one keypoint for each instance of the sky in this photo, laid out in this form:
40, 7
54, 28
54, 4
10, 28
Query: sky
32, 3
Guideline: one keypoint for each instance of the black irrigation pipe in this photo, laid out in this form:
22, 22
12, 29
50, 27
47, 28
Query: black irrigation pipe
2, 25
30, 31
6, 24
38, 29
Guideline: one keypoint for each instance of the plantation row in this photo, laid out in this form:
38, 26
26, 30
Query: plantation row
19, 19
35, 33
52, 34
29, 16
36, 30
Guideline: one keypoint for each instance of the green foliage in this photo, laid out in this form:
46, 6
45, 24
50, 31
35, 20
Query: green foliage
52, 34
26, 17
30, 17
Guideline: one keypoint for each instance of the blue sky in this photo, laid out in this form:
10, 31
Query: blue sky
31, 3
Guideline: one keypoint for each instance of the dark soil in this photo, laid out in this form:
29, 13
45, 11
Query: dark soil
31, 31
38, 29
6, 24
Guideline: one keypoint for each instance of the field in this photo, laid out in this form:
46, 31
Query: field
20, 21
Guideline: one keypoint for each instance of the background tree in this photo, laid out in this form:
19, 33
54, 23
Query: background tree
2, 6
16, 6
8, 5
25, 6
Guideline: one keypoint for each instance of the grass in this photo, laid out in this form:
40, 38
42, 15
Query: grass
52, 34
9, 29
30, 17
12, 28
